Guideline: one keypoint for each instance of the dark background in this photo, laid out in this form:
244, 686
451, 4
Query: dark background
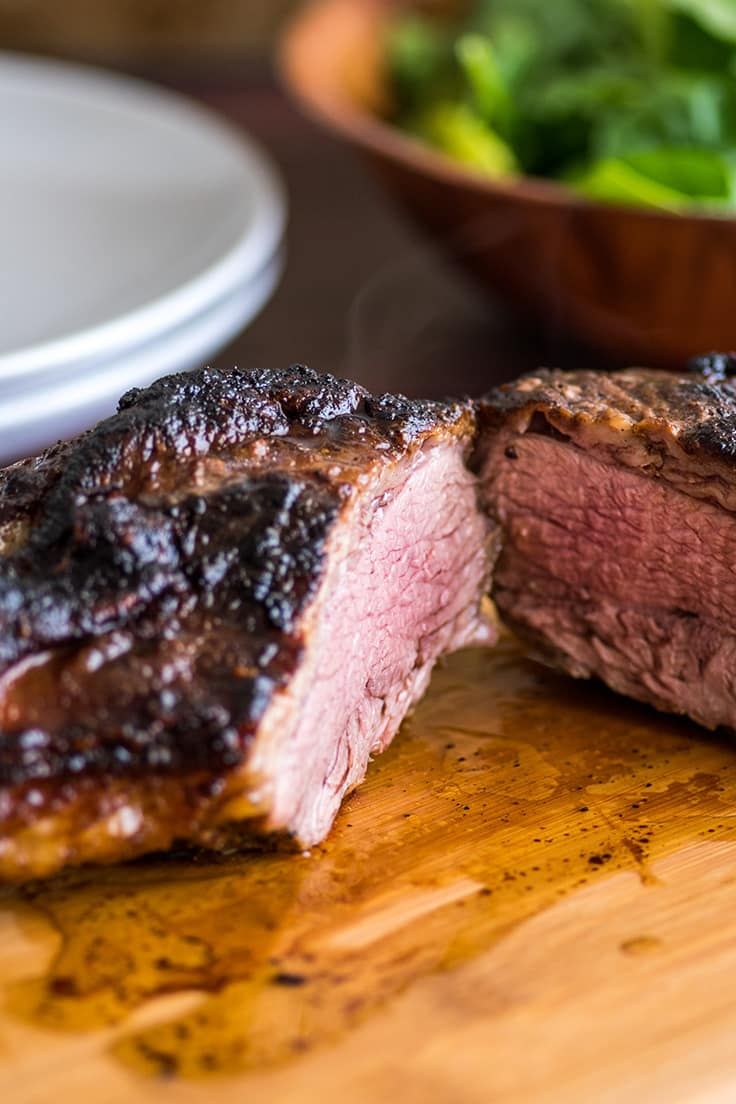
363, 293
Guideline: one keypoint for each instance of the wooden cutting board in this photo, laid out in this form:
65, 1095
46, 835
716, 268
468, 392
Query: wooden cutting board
532, 898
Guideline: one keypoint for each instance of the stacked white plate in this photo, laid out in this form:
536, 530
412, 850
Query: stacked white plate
139, 234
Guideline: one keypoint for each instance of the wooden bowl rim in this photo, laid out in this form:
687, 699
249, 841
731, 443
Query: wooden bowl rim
336, 108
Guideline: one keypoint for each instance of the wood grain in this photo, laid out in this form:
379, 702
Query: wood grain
533, 897
617, 987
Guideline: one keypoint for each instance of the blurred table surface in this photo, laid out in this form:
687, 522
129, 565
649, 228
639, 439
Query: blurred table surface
363, 293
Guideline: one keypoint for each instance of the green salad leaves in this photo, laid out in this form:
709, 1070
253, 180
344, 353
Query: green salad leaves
628, 101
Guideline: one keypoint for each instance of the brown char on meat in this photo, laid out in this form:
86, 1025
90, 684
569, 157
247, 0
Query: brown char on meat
615, 494
219, 603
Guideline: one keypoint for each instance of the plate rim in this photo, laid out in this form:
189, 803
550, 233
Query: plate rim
244, 260
227, 317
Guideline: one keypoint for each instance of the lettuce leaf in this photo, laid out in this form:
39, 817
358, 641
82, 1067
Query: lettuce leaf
419, 62
703, 174
718, 17
489, 91
670, 179
633, 100
456, 130
613, 181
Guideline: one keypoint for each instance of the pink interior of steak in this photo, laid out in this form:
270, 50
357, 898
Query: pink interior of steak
617, 574
403, 588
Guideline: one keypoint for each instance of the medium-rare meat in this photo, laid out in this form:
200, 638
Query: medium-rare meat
616, 499
218, 604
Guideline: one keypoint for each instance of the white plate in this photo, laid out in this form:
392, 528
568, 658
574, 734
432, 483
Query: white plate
125, 211
30, 422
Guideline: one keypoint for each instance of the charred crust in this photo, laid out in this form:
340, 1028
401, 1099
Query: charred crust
209, 412
192, 612
694, 410
253, 549
170, 599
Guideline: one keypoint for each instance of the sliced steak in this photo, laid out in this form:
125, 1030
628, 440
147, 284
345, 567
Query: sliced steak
218, 604
616, 498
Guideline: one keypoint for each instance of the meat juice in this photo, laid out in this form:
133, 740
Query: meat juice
507, 789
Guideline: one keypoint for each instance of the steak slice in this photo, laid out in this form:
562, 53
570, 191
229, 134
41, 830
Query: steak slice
218, 604
616, 498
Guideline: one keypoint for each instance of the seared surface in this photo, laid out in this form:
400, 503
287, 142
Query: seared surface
616, 496
157, 583
688, 415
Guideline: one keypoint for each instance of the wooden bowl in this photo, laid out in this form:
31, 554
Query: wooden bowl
644, 285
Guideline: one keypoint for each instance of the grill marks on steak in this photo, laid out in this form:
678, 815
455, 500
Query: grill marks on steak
218, 603
616, 499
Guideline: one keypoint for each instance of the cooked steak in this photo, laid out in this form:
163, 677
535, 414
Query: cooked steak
218, 604
616, 497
